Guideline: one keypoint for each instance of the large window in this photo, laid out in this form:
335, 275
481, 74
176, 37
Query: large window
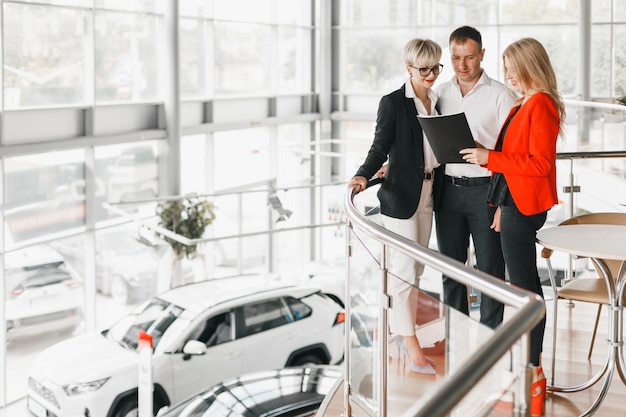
265, 174
371, 37
44, 194
238, 48
126, 57
85, 96
45, 55
195, 58
373, 34
247, 68
126, 173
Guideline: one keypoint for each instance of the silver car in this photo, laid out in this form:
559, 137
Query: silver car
43, 293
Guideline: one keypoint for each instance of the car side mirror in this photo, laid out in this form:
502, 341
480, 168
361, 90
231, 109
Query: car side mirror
194, 347
162, 410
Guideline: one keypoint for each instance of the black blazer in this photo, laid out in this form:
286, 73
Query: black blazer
398, 136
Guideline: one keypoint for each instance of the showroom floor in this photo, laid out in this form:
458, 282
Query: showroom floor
17, 409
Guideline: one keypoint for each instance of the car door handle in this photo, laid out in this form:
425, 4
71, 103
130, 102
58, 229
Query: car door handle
233, 355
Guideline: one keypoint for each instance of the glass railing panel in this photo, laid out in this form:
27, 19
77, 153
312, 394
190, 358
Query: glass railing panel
602, 184
364, 295
448, 338
599, 185
593, 129
331, 235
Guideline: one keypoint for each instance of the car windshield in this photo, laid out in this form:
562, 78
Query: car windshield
154, 317
21, 279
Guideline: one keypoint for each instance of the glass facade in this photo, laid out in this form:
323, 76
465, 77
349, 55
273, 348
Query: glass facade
46, 66
43, 194
92, 121
126, 66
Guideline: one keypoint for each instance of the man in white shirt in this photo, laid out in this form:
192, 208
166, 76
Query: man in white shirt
461, 206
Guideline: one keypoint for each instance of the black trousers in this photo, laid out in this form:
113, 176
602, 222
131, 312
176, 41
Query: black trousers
518, 236
463, 211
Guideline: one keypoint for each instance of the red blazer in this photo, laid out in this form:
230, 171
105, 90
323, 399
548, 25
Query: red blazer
528, 156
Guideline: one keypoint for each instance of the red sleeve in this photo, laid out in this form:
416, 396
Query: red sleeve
529, 146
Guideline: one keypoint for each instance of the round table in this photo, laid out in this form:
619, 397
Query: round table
599, 242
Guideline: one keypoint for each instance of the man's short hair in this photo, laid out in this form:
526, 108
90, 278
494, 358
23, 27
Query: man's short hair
462, 34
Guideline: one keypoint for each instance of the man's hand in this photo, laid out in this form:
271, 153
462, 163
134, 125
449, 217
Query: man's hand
382, 171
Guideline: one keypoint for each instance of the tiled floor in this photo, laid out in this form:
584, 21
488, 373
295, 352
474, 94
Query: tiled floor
17, 409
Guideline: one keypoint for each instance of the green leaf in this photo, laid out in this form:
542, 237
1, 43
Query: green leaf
188, 217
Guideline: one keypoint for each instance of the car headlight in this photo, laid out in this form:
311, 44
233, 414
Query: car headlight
83, 387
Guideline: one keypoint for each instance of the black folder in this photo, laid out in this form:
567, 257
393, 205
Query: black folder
447, 134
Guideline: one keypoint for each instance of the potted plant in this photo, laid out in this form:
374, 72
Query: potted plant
188, 216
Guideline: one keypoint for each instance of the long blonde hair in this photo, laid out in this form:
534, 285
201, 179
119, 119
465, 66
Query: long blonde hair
533, 69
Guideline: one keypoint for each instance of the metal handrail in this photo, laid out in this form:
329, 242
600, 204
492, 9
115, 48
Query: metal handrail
591, 155
529, 307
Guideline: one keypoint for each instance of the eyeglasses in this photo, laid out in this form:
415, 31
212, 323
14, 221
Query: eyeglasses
425, 72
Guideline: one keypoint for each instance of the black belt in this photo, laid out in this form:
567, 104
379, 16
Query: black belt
467, 181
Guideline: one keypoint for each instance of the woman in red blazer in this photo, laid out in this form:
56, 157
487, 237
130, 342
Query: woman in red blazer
523, 184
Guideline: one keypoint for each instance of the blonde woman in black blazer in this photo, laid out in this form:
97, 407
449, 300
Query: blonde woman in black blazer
406, 197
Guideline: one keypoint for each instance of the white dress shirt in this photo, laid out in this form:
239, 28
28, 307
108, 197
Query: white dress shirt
486, 107
430, 162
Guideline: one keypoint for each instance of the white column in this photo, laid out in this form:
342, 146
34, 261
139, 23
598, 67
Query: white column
169, 163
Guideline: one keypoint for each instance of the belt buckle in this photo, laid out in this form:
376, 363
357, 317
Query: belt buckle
458, 181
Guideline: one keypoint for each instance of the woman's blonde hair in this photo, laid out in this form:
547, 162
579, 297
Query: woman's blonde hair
533, 69
421, 49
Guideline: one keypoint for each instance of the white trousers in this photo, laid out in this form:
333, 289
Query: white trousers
403, 282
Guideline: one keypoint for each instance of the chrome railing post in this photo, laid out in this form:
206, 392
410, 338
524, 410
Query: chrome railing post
383, 324
521, 366
570, 213
347, 387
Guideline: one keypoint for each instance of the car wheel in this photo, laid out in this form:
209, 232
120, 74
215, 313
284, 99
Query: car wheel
128, 408
119, 290
307, 360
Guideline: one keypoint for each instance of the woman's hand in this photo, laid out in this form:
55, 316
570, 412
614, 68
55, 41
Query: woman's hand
478, 156
495, 225
358, 184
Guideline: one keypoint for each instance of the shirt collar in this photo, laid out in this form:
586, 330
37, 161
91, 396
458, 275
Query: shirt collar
410, 93
483, 80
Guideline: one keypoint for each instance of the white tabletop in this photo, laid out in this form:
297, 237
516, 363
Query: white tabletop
590, 240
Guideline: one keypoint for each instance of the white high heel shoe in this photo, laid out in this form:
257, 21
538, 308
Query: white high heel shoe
427, 369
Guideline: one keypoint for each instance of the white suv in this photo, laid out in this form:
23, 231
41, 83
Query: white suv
43, 293
202, 334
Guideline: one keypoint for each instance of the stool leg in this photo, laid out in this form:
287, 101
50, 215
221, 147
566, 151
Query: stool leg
595, 330
554, 320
